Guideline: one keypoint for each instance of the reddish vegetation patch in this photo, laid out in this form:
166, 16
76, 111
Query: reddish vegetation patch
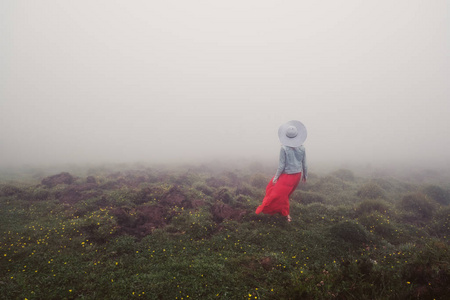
115, 182
91, 179
62, 178
266, 263
78, 192
148, 194
175, 197
84, 187
222, 212
142, 220
69, 196
197, 203
216, 182
130, 179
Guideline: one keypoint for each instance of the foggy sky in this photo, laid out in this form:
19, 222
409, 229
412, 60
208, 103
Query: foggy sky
125, 81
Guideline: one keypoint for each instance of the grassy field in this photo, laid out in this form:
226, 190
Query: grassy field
154, 232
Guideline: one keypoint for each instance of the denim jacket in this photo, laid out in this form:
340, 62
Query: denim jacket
292, 160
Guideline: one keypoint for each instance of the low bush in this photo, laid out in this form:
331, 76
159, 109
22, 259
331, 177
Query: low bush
307, 197
246, 189
344, 174
10, 190
438, 194
440, 224
371, 205
312, 213
124, 244
122, 197
380, 225
327, 185
259, 181
185, 179
204, 188
351, 232
418, 204
36, 194
371, 191
224, 195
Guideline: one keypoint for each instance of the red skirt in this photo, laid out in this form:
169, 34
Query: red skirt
277, 195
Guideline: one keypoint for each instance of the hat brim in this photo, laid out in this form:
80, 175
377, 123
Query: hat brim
296, 141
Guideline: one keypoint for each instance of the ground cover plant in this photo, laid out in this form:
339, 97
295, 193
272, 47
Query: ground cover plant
155, 232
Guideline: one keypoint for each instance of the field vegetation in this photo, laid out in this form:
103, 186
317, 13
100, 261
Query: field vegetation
190, 232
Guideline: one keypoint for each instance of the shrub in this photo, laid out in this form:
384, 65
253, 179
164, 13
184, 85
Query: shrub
418, 204
186, 179
378, 224
259, 181
371, 205
36, 194
224, 195
344, 174
370, 191
245, 189
124, 244
62, 178
327, 185
122, 197
350, 232
9, 190
307, 197
198, 224
438, 194
311, 213
440, 225
317, 209
217, 182
233, 178
204, 188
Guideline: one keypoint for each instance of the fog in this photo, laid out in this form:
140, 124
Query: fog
182, 81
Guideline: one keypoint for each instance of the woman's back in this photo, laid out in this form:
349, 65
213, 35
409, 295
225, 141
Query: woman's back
294, 161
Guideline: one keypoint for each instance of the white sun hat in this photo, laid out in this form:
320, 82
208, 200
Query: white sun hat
292, 133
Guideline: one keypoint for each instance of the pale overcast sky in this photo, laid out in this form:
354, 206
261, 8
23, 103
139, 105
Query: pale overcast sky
115, 81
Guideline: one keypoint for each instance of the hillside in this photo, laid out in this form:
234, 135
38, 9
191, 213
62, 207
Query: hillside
190, 232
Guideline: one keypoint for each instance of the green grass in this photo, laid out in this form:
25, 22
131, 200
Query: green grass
150, 234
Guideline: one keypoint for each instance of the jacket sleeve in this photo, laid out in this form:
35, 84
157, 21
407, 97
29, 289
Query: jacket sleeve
281, 163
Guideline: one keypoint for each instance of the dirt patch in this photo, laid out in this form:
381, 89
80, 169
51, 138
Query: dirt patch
198, 203
175, 197
142, 220
61, 178
221, 211
267, 263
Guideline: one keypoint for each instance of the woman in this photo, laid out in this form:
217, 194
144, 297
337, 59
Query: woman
291, 170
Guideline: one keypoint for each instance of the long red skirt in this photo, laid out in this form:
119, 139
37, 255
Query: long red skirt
277, 195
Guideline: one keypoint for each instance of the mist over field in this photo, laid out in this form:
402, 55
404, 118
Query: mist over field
188, 81
138, 140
